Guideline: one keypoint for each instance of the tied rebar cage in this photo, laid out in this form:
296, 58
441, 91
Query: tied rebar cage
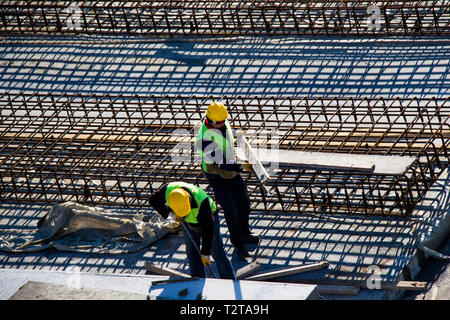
227, 18
118, 149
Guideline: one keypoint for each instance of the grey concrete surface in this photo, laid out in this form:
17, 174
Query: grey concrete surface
76, 285
33, 290
296, 66
355, 246
12, 280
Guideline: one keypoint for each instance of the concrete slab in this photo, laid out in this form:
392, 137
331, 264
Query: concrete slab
221, 289
12, 280
35, 284
45, 291
376, 164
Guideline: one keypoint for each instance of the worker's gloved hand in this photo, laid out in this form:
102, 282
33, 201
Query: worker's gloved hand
173, 216
206, 260
247, 167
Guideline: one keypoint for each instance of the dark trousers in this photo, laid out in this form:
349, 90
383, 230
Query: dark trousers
217, 251
232, 196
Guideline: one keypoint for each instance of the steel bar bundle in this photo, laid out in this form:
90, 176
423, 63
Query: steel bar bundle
227, 18
118, 149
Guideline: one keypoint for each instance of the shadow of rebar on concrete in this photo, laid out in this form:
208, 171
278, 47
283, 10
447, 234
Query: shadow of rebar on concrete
248, 66
351, 244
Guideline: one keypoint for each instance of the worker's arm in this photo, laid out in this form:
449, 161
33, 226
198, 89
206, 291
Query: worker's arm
213, 154
211, 151
158, 201
206, 222
231, 167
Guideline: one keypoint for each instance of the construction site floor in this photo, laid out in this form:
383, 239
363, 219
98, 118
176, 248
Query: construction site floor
406, 66
295, 66
355, 246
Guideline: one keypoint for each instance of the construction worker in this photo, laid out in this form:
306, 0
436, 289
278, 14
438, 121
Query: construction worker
215, 144
194, 208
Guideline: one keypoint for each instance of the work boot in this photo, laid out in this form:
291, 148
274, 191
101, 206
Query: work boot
250, 238
242, 253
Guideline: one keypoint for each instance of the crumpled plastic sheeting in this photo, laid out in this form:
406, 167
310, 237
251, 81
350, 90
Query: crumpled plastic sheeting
74, 227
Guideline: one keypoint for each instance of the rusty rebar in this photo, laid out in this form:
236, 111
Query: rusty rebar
117, 149
227, 18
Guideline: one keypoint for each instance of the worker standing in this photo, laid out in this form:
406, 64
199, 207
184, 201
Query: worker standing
198, 211
215, 144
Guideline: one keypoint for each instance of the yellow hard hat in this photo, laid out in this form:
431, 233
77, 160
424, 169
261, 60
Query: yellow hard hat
217, 112
178, 201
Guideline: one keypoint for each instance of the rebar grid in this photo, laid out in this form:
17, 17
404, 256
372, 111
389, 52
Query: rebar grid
227, 18
116, 150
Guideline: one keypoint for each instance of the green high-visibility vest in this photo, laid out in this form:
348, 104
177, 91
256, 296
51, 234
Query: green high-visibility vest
197, 193
225, 144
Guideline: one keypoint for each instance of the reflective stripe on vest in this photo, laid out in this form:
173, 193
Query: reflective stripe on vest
225, 144
197, 193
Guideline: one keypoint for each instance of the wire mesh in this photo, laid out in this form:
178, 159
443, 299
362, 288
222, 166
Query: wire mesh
118, 149
227, 18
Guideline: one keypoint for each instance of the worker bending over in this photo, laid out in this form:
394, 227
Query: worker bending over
198, 211
215, 144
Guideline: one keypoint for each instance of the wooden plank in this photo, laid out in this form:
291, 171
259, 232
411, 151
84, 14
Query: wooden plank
165, 271
344, 290
159, 282
97, 138
394, 285
247, 270
353, 135
126, 138
404, 285
289, 271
